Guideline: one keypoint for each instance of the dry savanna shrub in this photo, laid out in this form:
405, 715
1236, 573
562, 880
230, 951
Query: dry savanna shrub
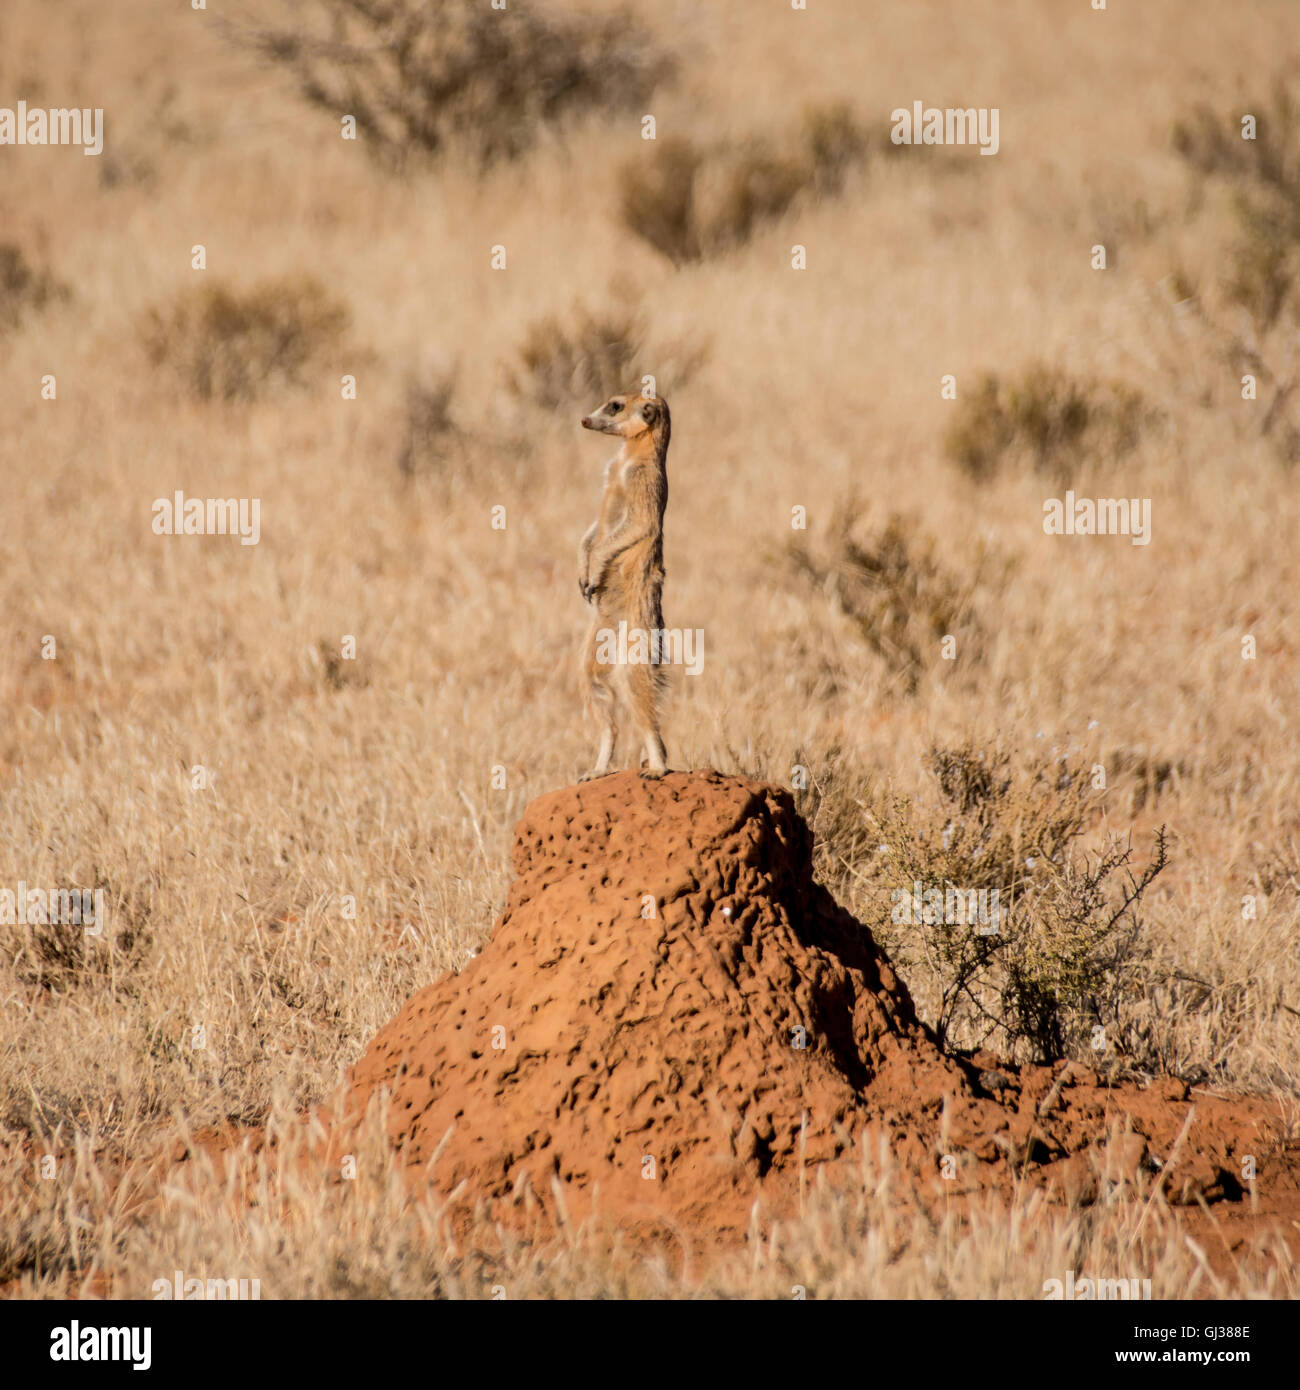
900, 595
430, 431
1263, 173
1213, 143
586, 355
1009, 932
1264, 263
1144, 776
657, 197
1044, 417
338, 670
63, 947
23, 289
1262, 259
1264, 282
833, 792
234, 345
420, 75
835, 143
692, 201
1277, 870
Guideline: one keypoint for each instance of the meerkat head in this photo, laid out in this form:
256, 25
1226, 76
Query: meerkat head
630, 415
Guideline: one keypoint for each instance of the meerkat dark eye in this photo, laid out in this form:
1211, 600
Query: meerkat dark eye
614, 407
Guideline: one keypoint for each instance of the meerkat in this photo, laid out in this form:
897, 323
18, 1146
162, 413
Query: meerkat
621, 572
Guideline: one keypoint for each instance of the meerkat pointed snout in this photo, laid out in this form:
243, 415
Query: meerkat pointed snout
621, 576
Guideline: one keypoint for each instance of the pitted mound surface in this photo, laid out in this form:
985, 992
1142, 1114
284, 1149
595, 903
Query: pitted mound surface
670, 1012
667, 993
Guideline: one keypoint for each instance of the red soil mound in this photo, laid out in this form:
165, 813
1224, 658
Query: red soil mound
672, 1013
671, 1016
666, 993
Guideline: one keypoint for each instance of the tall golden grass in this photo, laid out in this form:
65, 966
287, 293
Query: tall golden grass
393, 779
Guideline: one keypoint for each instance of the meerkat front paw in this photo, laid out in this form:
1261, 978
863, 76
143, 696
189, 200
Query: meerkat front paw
653, 773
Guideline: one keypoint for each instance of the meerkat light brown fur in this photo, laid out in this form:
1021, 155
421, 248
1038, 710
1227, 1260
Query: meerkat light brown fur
621, 572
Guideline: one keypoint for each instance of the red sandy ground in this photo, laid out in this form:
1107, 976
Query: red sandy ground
669, 992
671, 1019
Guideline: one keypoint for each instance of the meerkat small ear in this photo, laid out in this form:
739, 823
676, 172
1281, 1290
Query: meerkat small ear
649, 412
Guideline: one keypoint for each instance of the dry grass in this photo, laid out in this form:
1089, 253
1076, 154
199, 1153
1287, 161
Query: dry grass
588, 355
234, 346
417, 78
691, 201
23, 289
1044, 418
367, 780
896, 591
370, 1237
1059, 948
1258, 292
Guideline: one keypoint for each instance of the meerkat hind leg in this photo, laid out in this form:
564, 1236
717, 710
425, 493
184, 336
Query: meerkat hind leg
602, 701
608, 737
643, 692
656, 756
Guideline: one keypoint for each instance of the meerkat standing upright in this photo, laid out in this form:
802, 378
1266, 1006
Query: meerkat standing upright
621, 573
